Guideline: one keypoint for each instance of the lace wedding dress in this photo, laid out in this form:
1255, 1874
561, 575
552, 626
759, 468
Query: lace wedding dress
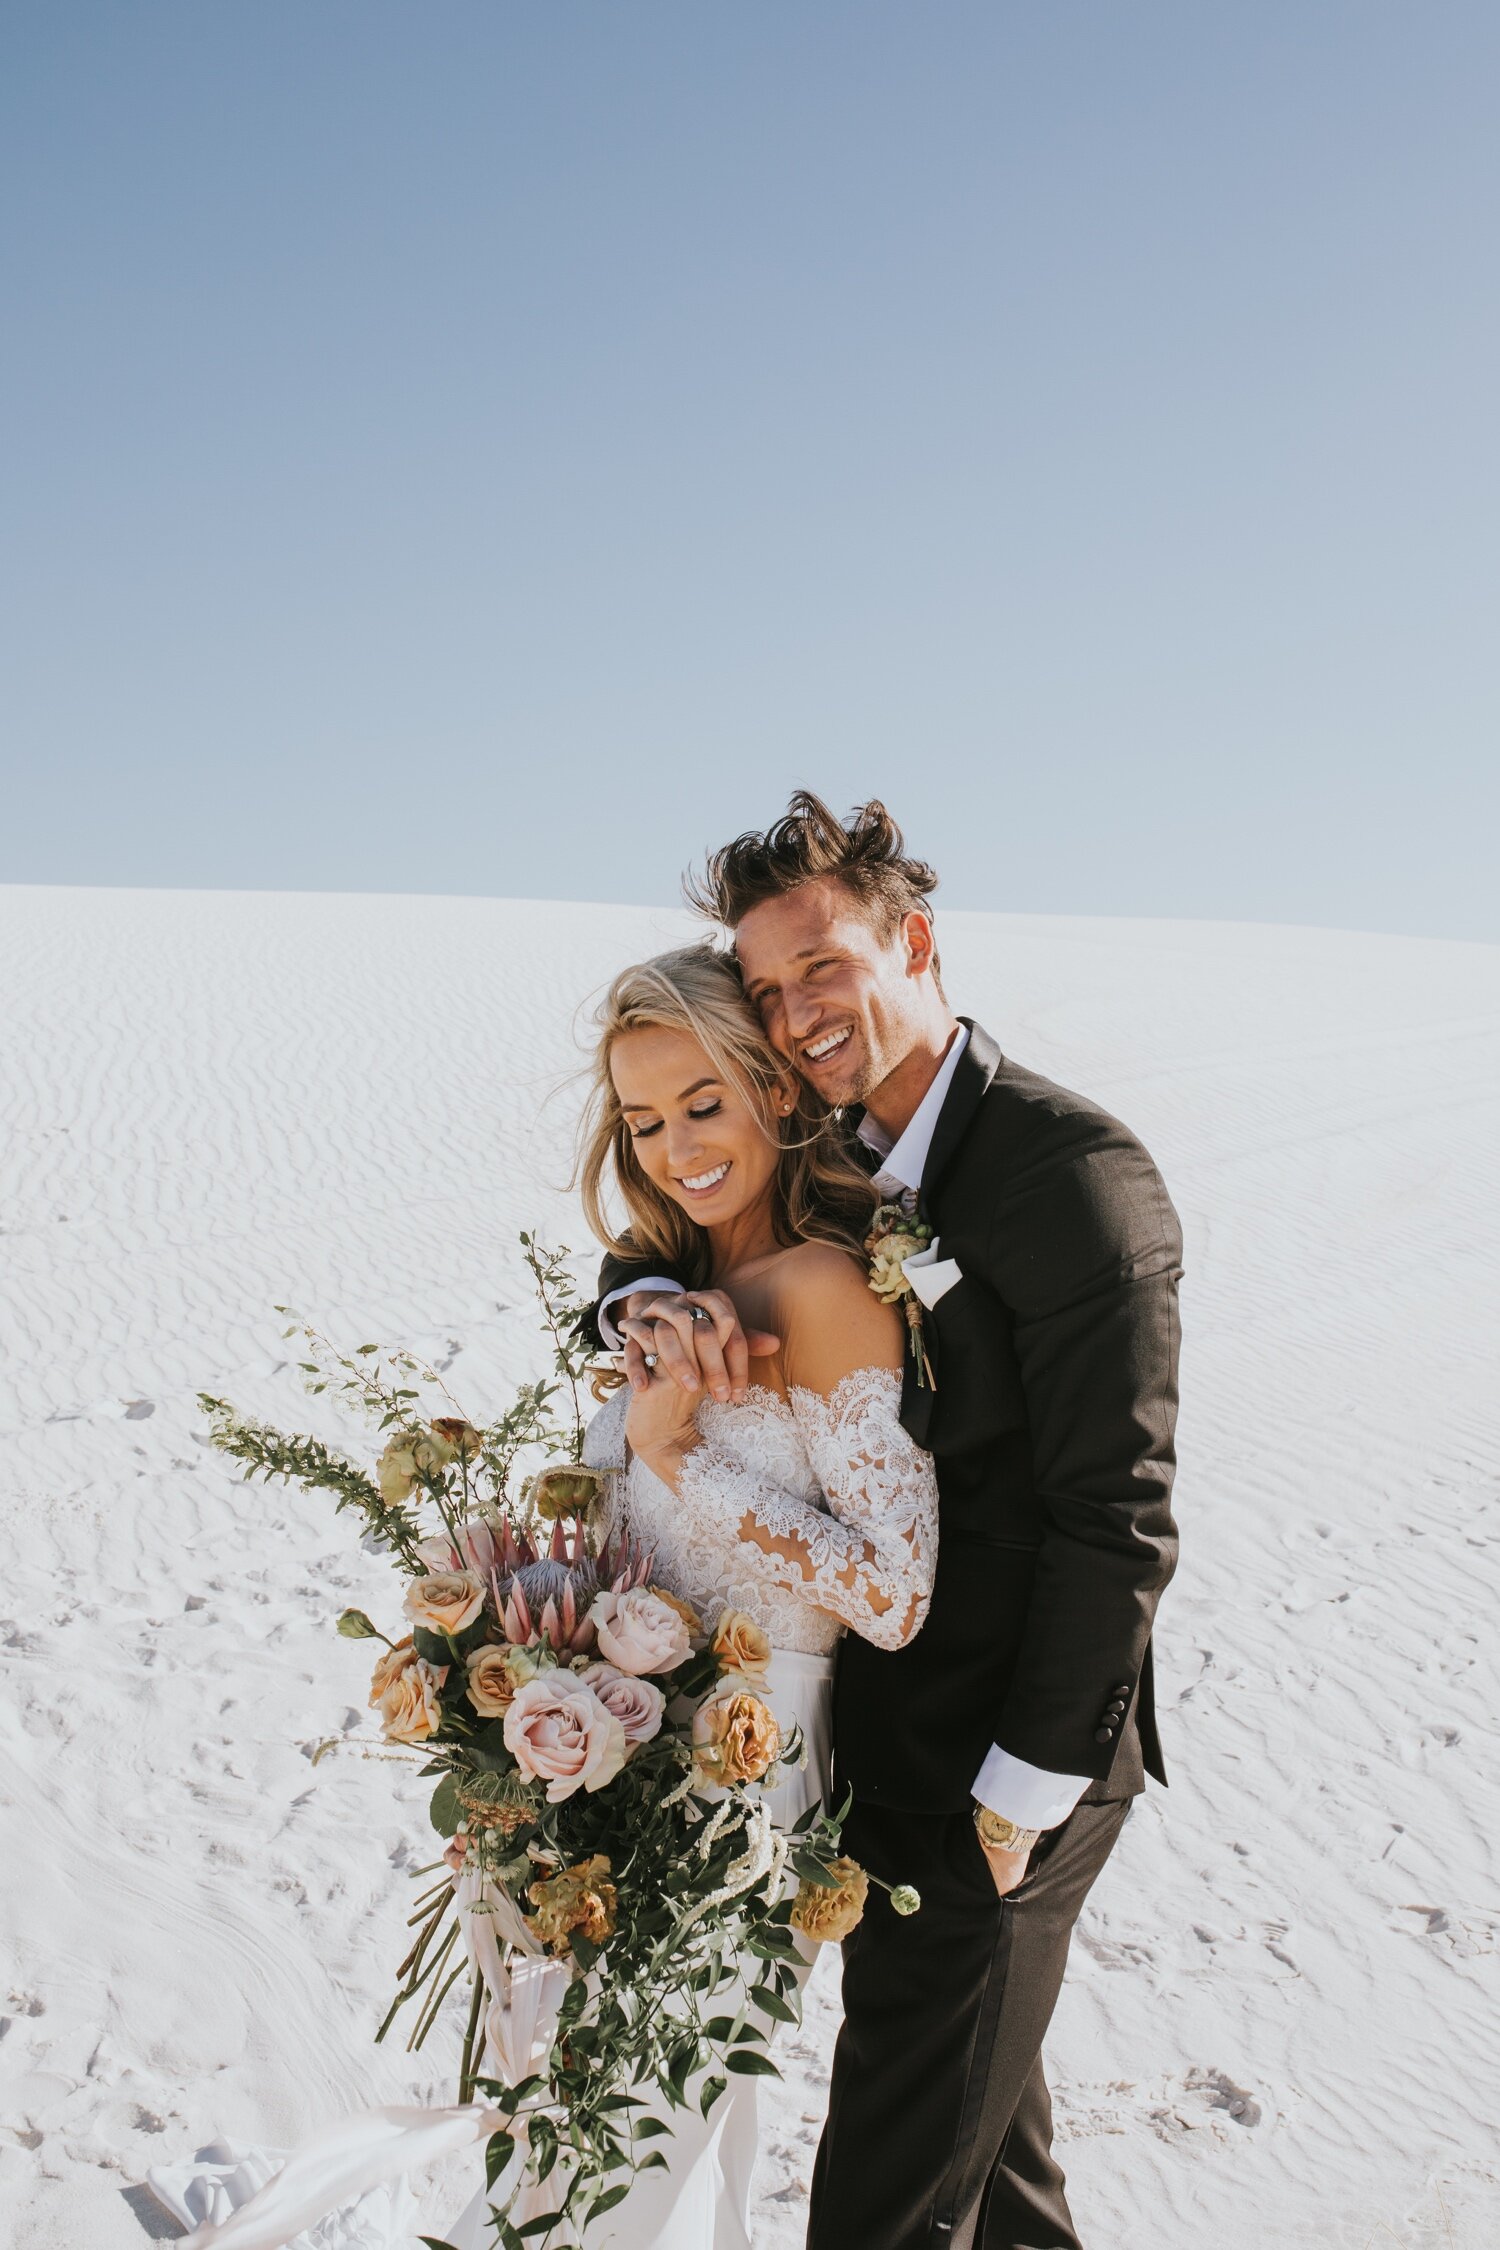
813, 1514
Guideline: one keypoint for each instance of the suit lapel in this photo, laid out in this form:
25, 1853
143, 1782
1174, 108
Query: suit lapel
975, 1070
977, 1066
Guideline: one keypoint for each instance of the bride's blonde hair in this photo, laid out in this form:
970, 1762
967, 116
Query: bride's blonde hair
819, 1193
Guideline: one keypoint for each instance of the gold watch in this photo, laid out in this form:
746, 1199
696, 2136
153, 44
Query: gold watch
1001, 1834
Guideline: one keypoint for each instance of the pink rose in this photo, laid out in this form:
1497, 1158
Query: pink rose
640, 1632
479, 1549
637, 1704
558, 1731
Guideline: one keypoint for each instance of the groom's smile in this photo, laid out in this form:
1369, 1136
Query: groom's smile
823, 1050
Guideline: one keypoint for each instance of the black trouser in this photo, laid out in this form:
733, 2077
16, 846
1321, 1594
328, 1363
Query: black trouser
939, 2122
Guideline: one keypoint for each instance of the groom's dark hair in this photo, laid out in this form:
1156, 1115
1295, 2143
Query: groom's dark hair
866, 853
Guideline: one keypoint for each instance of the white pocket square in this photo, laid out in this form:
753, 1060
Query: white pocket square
931, 1277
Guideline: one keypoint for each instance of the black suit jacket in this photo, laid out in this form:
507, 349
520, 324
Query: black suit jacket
1052, 1424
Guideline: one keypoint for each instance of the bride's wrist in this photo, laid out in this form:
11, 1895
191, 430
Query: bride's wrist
666, 1459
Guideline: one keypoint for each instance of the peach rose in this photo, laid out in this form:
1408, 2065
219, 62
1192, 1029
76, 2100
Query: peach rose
409, 1707
445, 1602
558, 1731
735, 1737
742, 1646
389, 1667
640, 1632
827, 1916
637, 1704
685, 1611
492, 1682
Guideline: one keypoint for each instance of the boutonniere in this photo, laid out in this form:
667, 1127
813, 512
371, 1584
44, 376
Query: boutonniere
892, 1239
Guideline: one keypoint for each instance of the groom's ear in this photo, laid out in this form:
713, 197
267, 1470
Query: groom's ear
916, 934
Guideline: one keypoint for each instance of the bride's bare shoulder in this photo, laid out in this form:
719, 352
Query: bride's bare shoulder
829, 1319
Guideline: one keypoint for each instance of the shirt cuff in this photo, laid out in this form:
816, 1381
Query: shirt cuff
1026, 1794
609, 1335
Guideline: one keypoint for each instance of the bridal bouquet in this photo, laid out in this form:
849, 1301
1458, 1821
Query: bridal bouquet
598, 1759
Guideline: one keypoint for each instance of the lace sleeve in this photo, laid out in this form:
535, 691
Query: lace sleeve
870, 1560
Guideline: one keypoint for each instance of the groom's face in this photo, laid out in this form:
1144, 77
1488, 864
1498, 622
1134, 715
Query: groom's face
841, 1001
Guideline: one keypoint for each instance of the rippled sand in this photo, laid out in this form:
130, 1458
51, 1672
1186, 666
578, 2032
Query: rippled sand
1283, 2020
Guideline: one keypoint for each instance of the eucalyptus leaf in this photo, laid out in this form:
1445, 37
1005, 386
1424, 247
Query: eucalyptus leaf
445, 1810
498, 2151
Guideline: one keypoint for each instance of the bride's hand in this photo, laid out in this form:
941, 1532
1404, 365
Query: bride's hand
698, 1340
660, 1425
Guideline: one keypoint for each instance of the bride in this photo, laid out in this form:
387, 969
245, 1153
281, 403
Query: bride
804, 1504
801, 1503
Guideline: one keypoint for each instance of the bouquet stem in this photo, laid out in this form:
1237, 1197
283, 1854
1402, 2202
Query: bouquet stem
468, 2067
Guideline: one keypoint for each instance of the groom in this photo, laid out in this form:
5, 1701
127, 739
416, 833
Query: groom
992, 1761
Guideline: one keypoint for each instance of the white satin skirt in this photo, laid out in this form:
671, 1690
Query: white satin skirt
344, 2189
702, 2200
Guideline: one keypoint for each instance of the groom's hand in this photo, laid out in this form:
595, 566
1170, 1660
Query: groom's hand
712, 1353
1007, 1868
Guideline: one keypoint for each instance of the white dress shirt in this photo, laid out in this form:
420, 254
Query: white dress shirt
1028, 1795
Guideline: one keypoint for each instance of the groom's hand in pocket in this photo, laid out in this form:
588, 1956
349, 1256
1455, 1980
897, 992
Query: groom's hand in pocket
1007, 1868
697, 1339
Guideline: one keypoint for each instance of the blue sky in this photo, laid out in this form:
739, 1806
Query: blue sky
502, 448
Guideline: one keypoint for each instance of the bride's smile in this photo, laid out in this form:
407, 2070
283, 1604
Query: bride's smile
699, 1138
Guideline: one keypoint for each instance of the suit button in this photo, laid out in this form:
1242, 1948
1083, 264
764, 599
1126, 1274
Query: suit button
1122, 1689
1114, 1711
1104, 1734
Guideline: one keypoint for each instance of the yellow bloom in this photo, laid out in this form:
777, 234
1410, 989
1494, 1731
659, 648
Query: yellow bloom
827, 1916
735, 1737
459, 1436
409, 1452
888, 1266
580, 1899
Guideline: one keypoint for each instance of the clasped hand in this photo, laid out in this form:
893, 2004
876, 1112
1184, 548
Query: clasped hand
696, 1344
697, 1354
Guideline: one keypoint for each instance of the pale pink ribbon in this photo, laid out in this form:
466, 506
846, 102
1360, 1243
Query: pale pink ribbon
346, 2160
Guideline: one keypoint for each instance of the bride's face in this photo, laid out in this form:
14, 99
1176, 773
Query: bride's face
694, 1136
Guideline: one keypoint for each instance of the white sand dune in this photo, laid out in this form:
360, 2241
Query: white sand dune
1283, 2021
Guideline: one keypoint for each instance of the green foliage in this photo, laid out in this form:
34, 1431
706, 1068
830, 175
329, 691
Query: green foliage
444, 1810
316, 1467
561, 1304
